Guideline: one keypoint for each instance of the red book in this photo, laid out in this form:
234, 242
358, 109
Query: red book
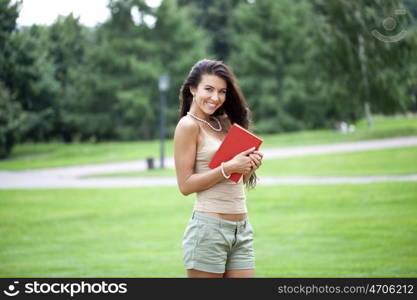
237, 140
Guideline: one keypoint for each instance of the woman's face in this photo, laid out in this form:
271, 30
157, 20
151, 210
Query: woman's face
210, 93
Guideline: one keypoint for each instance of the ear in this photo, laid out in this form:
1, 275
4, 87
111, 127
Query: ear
193, 90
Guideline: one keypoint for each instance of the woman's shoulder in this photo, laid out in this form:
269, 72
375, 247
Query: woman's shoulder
187, 125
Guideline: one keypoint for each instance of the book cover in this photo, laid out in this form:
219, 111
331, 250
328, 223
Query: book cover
237, 140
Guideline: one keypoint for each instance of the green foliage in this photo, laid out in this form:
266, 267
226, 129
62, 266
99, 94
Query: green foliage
35, 84
66, 49
124, 64
11, 115
301, 64
11, 118
371, 69
180, 47
274, 57
8, 15
215, 16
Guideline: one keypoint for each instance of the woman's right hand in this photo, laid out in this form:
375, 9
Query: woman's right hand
241, 163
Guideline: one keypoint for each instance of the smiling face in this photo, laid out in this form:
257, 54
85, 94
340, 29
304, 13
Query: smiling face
209, 95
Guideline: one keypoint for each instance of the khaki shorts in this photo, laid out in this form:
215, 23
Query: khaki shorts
215, 245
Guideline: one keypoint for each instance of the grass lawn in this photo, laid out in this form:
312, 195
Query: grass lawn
375, 162
31, 156
300, 231
384, 127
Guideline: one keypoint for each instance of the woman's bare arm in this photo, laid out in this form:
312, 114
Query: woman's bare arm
185, 148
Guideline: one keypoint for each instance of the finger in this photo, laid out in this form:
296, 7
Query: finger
246, 152
255, 159
261, 155
256, 163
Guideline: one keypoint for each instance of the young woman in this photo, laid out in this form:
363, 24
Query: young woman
218, 240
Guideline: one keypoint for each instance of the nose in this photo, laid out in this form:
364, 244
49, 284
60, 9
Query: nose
215, 96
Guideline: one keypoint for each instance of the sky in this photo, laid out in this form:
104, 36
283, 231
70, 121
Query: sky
45, 12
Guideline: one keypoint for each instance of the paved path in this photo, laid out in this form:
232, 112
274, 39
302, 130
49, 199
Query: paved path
47, 183
69, 177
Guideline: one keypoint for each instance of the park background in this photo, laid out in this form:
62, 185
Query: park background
76, 95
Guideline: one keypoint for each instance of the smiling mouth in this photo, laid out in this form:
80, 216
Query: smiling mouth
212, 105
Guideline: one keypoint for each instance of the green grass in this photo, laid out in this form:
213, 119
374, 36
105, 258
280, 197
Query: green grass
300, 231
384, 127
32, 156
375, 162
336, 231
98, 233
393, 122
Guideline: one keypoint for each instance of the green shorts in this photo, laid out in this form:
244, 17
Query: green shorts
215, 245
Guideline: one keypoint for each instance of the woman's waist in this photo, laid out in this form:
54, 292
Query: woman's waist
225, 207
229, 217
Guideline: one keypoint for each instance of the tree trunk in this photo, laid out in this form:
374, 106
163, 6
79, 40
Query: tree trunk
368, 114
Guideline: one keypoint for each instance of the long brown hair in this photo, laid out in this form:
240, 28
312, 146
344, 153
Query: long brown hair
234, 107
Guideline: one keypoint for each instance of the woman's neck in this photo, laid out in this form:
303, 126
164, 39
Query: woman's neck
199, 113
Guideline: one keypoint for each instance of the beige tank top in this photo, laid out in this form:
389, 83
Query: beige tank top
226, 196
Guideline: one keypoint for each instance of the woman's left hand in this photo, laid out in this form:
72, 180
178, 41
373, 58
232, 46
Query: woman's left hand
256, 159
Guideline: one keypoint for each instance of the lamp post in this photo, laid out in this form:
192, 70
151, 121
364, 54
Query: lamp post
163, 88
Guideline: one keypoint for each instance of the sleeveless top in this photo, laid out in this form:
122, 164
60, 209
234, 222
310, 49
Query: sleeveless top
224, 197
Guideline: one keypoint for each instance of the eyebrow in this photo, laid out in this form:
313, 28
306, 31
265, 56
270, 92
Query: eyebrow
208, 85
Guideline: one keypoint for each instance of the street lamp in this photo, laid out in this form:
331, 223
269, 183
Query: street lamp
163, 88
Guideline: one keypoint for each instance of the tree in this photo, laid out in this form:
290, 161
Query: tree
360, 51
11, 118
33, 82
66, 47
215, 17
273, 55
11, 114
179, 48
114, 89
130, 54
